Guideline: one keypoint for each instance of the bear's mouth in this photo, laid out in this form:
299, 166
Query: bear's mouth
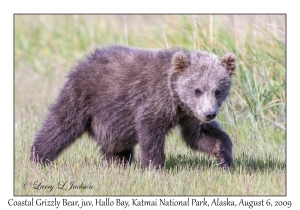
206, 119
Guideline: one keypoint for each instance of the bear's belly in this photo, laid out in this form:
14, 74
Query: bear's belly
114, 135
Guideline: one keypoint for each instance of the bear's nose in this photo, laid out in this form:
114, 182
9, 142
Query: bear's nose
210, 115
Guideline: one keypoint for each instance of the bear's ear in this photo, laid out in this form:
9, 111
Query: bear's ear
180, 61
229, 61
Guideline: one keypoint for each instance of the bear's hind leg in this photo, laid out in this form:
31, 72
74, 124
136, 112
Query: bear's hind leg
124, 157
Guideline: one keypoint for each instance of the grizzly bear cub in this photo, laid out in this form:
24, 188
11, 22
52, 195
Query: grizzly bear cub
123, 96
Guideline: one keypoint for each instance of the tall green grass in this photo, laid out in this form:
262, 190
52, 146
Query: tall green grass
47, 46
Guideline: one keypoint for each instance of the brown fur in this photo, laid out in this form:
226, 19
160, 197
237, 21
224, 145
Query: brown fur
123, 96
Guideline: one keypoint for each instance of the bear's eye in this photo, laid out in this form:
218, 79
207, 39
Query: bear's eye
198, 91
218, 92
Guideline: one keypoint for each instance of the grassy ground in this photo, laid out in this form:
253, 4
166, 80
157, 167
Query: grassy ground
46, 48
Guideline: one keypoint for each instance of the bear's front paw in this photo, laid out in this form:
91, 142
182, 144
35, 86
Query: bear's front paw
225, 161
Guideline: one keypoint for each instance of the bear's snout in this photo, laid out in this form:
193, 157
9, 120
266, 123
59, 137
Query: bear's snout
210, 115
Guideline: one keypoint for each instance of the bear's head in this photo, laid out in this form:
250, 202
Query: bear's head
200, 82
